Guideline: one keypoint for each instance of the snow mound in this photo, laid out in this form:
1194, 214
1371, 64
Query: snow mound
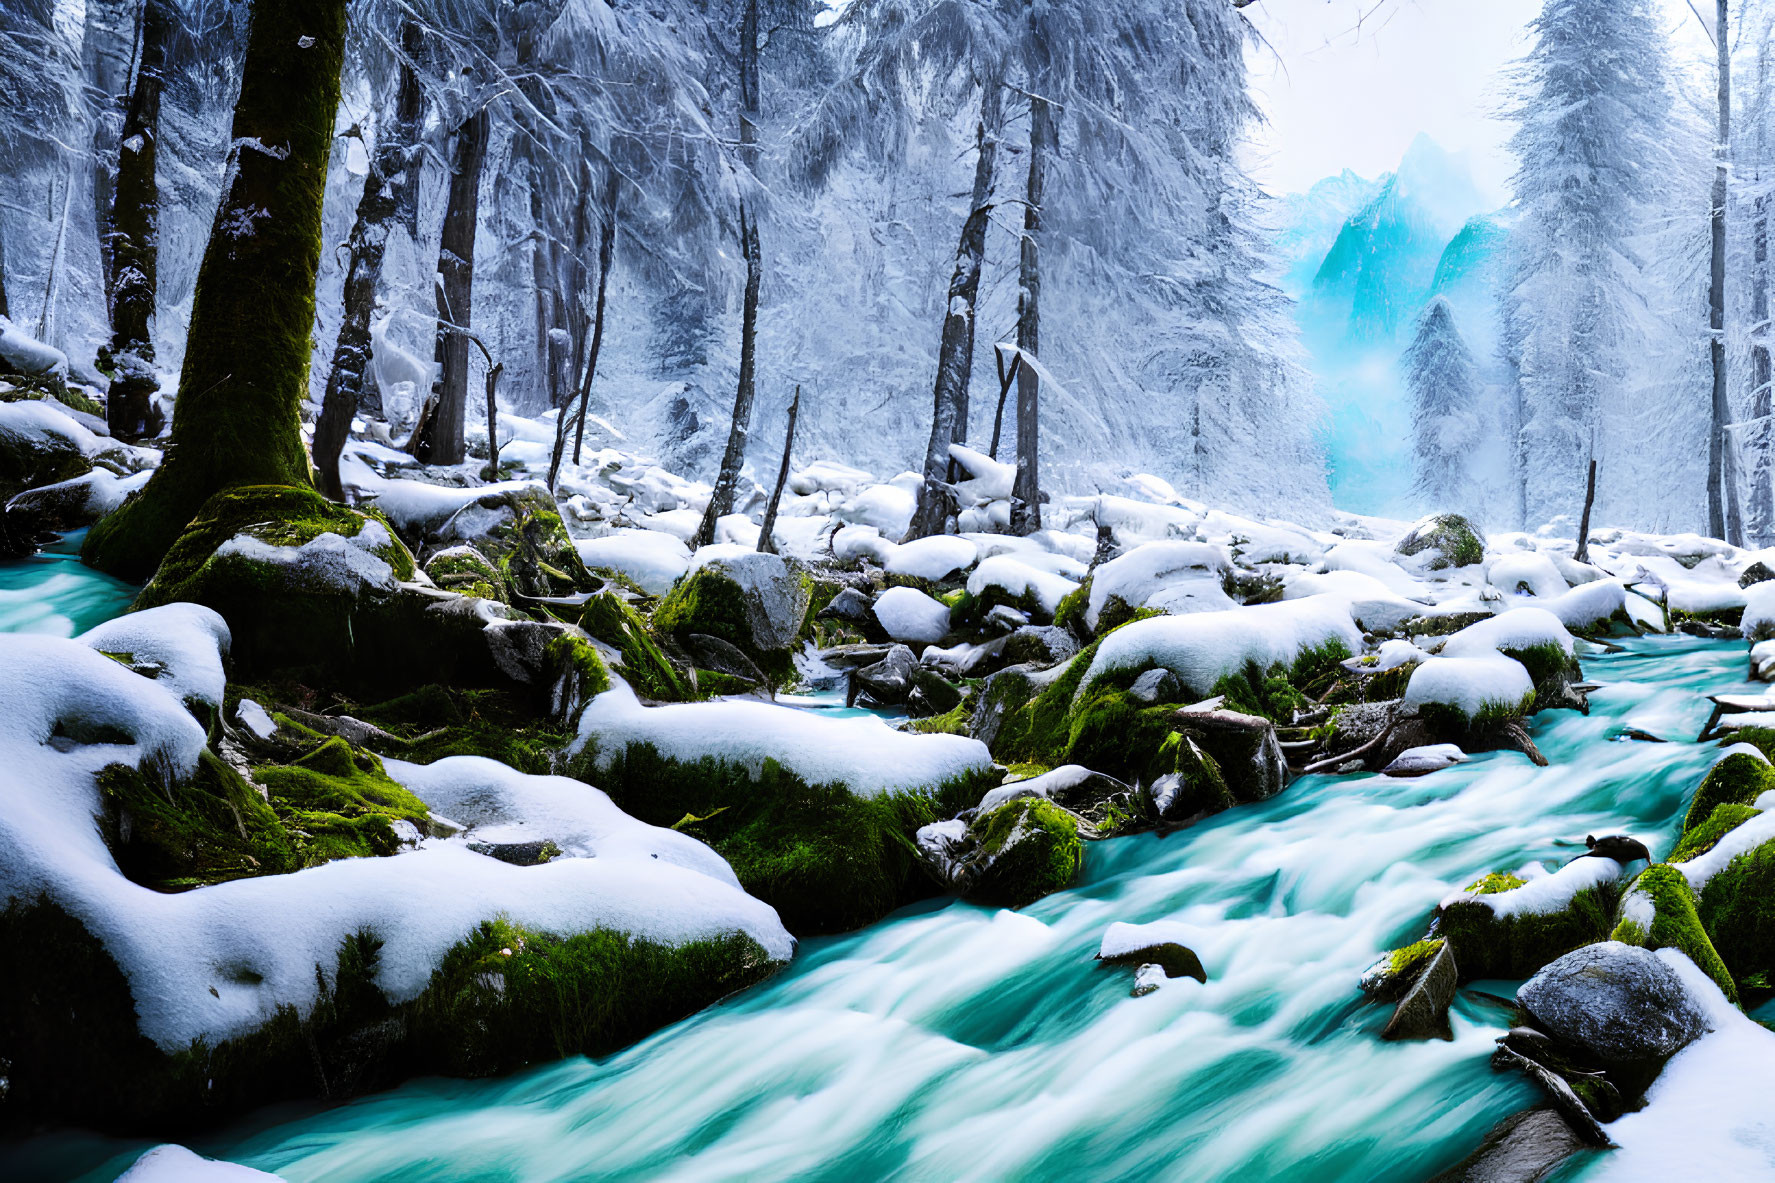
185, 641
886, 507
1471, 685
1589, 605
1015, 577
1530, 573
21, 353
174, 1164
654, 560
1519, 628
330, 561
1546, 893
850, 543
1122, 938
1204, 647
1375, 605
865, 754
222, 960
1759, 611
933, 558
909, 615
1138, 576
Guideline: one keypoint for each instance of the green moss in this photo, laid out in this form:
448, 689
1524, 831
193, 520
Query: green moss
1490, 946
1728, 617
247, 352
1494, 883
1070, 613
644, 666
339, 803
464, 570
1738, 779
576, 676
74, 1055
1702, 838
820, 593
1676, 924
529, 546
826, 859
434, 722
1202, 783
1408, 961
209, 827
1761, 738
1031, 848
708, 601
1546, 663
1452, 535
1737, 909
953, 722
278, 514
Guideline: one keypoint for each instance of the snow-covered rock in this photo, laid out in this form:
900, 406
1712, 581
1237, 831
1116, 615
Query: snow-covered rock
909, 615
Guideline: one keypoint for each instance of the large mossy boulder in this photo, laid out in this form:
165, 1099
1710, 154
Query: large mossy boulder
749, 599
1507, 927
1452, 537
313, 590
1019, 852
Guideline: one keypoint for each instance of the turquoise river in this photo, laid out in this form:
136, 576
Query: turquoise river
954, 1042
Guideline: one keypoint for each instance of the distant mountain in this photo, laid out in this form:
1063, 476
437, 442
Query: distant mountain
1379, 270
1363, 259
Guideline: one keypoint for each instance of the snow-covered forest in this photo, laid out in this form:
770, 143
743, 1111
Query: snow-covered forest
797, 589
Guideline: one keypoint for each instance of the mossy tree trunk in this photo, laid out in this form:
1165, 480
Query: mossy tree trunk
379, 210
1026, 508
238, 417
728, 479
955, 352
135, 240
1722, 491
441, 437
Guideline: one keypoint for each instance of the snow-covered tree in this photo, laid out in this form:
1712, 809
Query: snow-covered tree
1444, 383
1594, 138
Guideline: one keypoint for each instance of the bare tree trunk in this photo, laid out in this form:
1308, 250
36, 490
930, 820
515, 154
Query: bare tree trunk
1026, 508
765, 541
378, 212
5, 309
1583, 552
108, 43
442, 439
135, 233
1005, 378
493, 372
955, 352
1718, 489
606, 248
1761, 527
728, 479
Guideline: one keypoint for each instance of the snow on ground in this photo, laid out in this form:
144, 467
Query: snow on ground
865, 754
207, 964
1203, 647
654, 560
1546, 893
1470, 684
1016, 578
909, 615
175, 1164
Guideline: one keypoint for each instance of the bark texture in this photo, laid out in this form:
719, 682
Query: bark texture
246, 357
442, 437
1026, 508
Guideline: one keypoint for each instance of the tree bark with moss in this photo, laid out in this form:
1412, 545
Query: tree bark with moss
238, 416
135, 240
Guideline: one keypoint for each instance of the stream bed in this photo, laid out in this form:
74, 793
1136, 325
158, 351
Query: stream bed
954, 1042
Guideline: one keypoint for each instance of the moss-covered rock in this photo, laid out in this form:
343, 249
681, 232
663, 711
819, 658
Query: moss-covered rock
1659, 911
1738, 779
1737, 910
827, 859
1451, 536
338, 802
1513, 941
502, 997
209, 827
1025, 849
750, 600
645, 665
1389, 978
519, 532
34, 450
1704, 836
464, 570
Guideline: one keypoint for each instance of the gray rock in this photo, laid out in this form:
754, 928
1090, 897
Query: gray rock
1156, 685
1002, 694
774, 599
932, 693
712, 653
518, 854
850, 657
1614, 1003
1244, 747
888, 681
1040, 645
1523, 1148
849, 604
1178, 961
1423, 1012
1005, 619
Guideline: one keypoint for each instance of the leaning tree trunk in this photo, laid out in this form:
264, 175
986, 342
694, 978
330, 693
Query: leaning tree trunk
728, 479
1717, 488
441, 437
955, 352
135, 232
606, 250
246, 355
1026, 508
378, 212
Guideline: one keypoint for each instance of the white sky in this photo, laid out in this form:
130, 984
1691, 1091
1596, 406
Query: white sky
1339, 97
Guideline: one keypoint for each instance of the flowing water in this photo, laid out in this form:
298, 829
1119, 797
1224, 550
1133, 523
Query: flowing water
957, 1042
52, 592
